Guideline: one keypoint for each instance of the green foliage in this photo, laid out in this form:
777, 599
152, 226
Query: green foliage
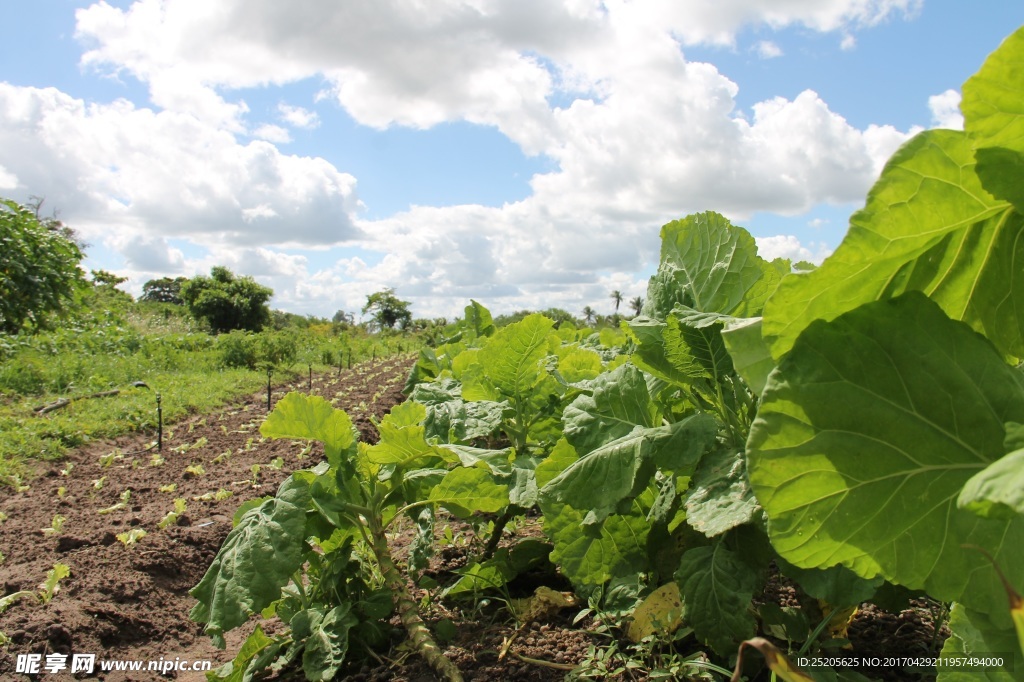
39, 271
225, 301
164, 290
387, 309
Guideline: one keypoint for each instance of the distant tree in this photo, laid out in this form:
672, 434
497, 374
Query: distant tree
164, 290
388, 310
617, 297
102, 278
225, 301
343, 318
39, 271
636, 304
589, 315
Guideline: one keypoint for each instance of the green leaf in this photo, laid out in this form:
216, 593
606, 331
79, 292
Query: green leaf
497, 461
865, 435
623, 468
557, 461
512, 357
402, 438
619, 403
997, 492
661, 351
706, 264
478, 318
464, 491
236, 669
306, 417
929, 226
838, 586
751, 356
257, 559
591, 555
972, 634
720, 497
994, 118
717, 587
327, 643
576, 364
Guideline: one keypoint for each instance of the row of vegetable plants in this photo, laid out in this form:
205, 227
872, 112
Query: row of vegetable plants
858, 426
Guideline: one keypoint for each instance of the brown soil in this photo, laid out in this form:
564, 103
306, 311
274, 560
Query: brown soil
132, 603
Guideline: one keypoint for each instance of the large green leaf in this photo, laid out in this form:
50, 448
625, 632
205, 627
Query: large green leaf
717, 587
619, 402
706, 263
660, 350
719, 497
466, 490
929, 226
258, 558
308, 417
866, 433
591, 555
750, 354
974, 635
993, 107
623, 468
511, 360
478, 318
327, 643
998, 490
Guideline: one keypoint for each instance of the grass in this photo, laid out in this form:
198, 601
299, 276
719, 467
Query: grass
117, 343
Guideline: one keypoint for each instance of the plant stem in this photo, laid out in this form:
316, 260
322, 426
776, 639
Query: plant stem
420, 636
499, 527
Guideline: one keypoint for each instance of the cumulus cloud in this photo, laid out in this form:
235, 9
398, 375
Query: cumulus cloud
559, 79
118, 168
945, 108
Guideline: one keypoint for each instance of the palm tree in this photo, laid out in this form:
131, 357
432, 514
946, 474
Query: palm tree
588, 315
617, 297
636, 304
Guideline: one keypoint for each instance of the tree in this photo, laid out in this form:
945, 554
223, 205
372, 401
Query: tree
164, 290
588, 315
387, 309
636, 304
227, 302
39, 271
617, 297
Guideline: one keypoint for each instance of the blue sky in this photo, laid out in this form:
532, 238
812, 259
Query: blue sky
521, 152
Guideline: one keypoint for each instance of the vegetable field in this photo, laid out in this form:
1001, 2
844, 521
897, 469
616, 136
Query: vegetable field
720, 488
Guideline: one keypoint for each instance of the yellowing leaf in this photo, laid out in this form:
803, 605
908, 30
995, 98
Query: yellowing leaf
661, 612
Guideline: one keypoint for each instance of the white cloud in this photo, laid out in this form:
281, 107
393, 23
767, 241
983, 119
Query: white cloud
817, 222
272, 133
8, 180
560, 79
945, 108
788, 246
766, 49
298, 117
848, 42
120, 169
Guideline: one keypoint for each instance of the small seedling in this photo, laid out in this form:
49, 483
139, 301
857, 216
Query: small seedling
125, 496
276, 463
55, 525
222, 457
66, 471
156, 460
218, 496
172, 516
109, 458
129, 538
61, 492
3, 517
51, 584
97, 483
195, 469
255, 480
169, 488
